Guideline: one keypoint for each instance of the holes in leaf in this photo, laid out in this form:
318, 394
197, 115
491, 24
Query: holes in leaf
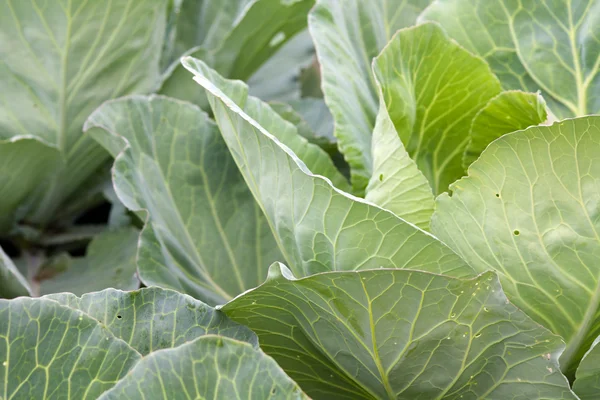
498, 195
380, 177
516, 232
273, 391
119, 317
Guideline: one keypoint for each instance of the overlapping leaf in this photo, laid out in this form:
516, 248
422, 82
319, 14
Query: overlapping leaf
508, 112
318, 227
347, 35
59, 60
152, 319
24, 164
110, 261
236, 39
12, 283
433, 89
205, 234
49, 351
530, 209
587, 384
550, 45
211, 368
278, 79
397, 183
398, 334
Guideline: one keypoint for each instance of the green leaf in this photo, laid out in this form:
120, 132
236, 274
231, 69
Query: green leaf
530, 209
587, 384
12, 283
318, 227
110, 261
549, 46
317, 116
49, 351
205, 234
508, 112
397, 183
59, 60
246, 35
152, 319
311, 125
24, 163
278, 79
397, 334
206, 23
210, 367
433, 89
347, 35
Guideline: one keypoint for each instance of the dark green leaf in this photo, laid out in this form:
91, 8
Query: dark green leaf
12, 283
110, 261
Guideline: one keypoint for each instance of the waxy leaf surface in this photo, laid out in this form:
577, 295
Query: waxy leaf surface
398, 334
318, 228
348, 35
530, 210
433, 89
205, 234
49, 351
508, 112
553, 46
152, 319
211, 368
59, 60
587, 383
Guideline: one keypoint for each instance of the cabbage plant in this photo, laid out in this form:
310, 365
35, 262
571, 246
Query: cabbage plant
330, 199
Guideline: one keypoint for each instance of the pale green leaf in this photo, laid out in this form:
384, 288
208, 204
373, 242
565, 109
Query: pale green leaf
347, 35
508, 112
587, 383
59, 60
433, 89
24, 164
12, 283
398, 334
397, 183
315, 158
530, 209
278, 79
206, 23
553, 46
244, 36
313, 124
152, 319
110, 261
317, 116
318, 227
208, 236
209, 368
49, 351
